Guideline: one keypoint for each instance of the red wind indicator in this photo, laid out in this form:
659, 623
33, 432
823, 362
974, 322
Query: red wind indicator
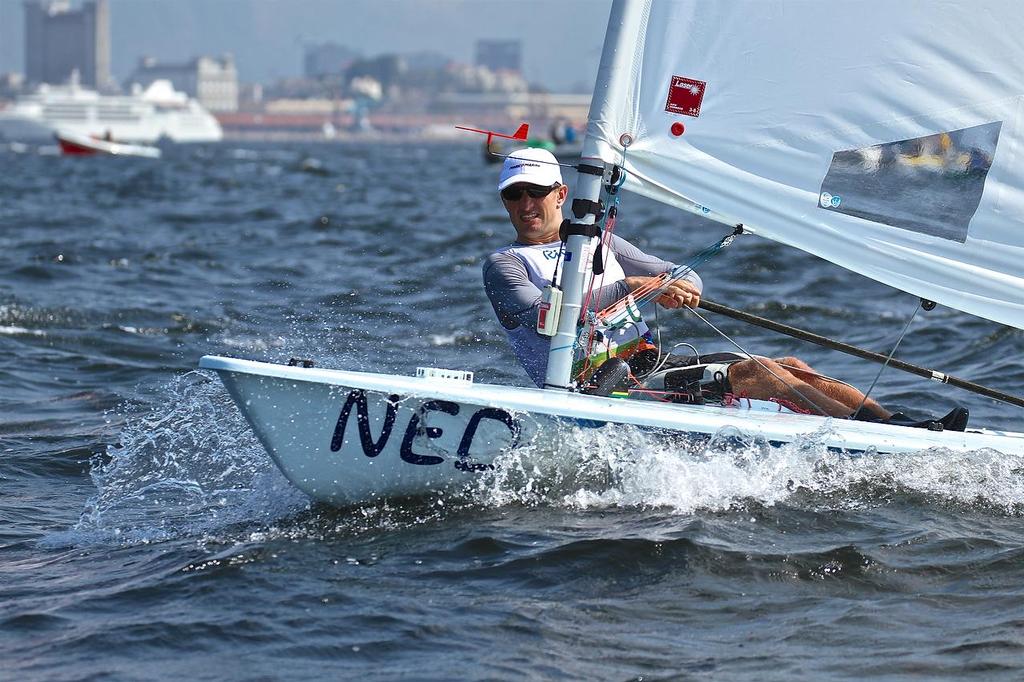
521, 133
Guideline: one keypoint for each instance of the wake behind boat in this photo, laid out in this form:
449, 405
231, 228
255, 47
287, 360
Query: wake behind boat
764, 139
72, 144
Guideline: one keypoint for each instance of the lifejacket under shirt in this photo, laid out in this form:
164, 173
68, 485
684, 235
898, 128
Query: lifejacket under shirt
515, 275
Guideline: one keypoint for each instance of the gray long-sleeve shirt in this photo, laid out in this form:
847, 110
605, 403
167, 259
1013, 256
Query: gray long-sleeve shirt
516, 297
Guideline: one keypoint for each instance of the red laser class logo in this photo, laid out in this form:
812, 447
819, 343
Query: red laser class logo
685, 96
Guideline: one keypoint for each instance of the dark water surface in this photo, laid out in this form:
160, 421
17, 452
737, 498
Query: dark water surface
145, 535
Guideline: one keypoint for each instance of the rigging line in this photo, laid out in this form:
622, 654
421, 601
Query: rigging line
658, 361
558, 261
605, 229
862, 353
703, 256
604, 249
888, 359
655, 287
651, 291
755, 359
663, 357
586, 361
671, 351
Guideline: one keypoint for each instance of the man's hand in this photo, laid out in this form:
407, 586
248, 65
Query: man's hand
679, 293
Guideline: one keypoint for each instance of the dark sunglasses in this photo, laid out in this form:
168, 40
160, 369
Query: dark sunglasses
515, 193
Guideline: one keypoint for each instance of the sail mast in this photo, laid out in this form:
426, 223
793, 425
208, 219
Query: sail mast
582, 235
624, 26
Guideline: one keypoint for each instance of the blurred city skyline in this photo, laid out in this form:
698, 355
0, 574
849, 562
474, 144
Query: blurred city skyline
561, 41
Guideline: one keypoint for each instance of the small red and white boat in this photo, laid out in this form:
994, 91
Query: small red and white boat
72, 144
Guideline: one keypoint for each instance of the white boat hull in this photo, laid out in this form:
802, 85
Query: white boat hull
141, 117
352, 437
176, 128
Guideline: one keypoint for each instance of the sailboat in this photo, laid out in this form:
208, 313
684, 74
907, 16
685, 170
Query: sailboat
747, 113
72, 144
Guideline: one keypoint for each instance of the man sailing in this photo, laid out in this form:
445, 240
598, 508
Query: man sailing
533, 194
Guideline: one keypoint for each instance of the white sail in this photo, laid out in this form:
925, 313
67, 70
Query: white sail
882, 136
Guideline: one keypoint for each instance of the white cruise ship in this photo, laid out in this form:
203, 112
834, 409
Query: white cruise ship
147, 115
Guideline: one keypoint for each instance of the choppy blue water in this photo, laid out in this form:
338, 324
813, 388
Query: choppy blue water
145, 535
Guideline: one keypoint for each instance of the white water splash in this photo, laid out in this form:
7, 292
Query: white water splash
12, 330
189, 466
633, 468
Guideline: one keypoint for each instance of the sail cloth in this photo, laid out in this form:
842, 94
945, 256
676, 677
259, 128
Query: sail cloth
882, 136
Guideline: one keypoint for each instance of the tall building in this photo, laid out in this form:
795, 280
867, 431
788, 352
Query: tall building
213, 82
60, 40
500, 55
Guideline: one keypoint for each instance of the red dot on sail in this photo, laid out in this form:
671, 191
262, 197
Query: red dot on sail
678, 128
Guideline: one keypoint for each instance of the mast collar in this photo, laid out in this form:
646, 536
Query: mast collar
584, 207
570, 228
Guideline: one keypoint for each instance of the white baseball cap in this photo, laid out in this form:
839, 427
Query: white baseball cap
533, 165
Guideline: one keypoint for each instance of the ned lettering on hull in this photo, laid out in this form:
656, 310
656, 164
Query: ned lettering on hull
356, 401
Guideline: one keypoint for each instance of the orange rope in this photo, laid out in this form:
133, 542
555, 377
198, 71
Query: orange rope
606, 238
620, 305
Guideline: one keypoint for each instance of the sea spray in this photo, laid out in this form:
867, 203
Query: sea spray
186, 465
629, 467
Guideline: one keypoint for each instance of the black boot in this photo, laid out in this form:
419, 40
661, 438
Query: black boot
956, 420
866, 415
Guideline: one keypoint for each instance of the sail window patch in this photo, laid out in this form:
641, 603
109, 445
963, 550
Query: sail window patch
931, 185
